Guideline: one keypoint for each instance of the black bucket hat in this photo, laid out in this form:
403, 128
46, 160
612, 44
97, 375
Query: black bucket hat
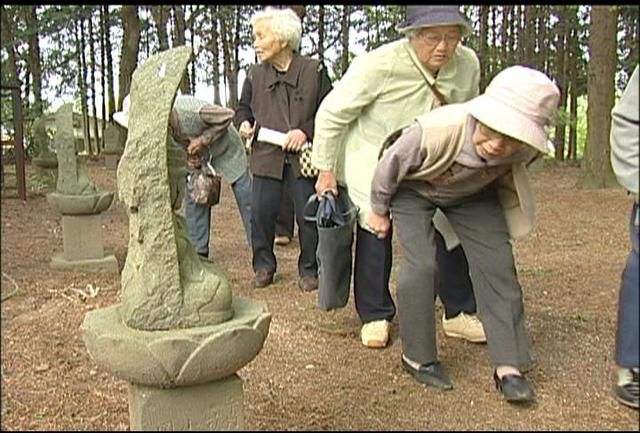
433, 15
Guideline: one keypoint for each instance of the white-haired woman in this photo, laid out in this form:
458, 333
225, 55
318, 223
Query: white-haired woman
281, 93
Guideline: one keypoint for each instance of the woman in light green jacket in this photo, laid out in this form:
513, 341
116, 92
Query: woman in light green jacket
381, 92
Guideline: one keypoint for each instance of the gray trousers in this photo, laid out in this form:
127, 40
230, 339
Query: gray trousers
479, 223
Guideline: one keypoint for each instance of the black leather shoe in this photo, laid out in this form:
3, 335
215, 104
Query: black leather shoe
430, 374
308, 284
514, 388
263, 279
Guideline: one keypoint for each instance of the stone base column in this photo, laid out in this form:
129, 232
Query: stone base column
82, 237
111, 161
215, 405
83, 249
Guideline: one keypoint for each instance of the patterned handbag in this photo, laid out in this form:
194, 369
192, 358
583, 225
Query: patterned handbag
306, 168
204, 185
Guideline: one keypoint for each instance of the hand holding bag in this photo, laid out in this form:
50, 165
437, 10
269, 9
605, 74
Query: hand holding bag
335, 219
204, 185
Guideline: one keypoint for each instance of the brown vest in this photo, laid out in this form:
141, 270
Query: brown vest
283, 102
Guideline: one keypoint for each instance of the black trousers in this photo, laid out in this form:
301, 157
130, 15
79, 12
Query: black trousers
372, 270
285, 220
265, 205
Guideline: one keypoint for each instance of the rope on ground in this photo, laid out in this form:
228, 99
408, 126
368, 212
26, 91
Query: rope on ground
14, 292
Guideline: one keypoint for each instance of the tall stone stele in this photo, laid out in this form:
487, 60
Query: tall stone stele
80, 204
178, 336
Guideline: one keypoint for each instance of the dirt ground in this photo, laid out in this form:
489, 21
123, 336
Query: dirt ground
313, 373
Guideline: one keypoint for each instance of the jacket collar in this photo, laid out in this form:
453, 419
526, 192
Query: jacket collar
290, 77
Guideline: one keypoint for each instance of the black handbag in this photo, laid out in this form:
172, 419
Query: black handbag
335, 219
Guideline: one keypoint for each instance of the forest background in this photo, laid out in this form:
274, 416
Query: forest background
87, 54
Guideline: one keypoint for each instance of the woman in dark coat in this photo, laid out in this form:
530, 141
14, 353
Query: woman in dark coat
277, 108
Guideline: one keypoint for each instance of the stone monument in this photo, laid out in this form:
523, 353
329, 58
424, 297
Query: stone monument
178, 336
44, 158
114, 139
80, 204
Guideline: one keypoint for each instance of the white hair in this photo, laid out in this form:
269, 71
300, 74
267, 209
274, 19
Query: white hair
285, 24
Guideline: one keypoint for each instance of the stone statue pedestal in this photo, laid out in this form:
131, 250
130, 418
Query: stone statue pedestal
114, 139
82, 243
214, 405
182, 379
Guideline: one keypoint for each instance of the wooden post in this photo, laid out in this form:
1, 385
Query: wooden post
18, 140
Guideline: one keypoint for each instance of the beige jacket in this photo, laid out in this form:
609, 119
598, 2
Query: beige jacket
444, 132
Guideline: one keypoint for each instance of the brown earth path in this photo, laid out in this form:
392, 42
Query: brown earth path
313, 373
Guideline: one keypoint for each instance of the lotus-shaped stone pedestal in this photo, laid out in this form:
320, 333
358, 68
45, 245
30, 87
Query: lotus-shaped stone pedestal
83, 247
165, 369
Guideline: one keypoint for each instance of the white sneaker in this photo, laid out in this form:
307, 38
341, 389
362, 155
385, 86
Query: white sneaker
376, 333
466, 326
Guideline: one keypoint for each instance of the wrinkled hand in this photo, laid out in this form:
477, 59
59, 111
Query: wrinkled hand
326, 182
380, 224
295, 140
246, 130
195, 147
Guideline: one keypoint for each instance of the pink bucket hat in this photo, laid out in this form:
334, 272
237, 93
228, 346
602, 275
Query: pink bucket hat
518, 102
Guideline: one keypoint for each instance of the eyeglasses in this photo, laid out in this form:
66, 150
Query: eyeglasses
433, 39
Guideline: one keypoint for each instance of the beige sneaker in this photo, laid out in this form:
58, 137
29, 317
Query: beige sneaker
376, 333
282, 240
466, 326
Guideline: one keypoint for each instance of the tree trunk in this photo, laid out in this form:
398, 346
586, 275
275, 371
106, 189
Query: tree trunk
561, 79
110, 84
82, 85
34, 60
529, 36
226, 49
344, 40
160, 15
130, 46
482, 46
235, 59
103, 72
596, 167
179, 40
321, 31
92, 83
8, 34
494, 43
573, 52
215, 53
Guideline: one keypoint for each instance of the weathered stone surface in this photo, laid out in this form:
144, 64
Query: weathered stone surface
214, 406
80, 204
72, 177
108, 263
176, 358
165, 285
114, 139
44, 157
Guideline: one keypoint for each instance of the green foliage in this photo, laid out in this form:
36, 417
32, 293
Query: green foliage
508, 40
